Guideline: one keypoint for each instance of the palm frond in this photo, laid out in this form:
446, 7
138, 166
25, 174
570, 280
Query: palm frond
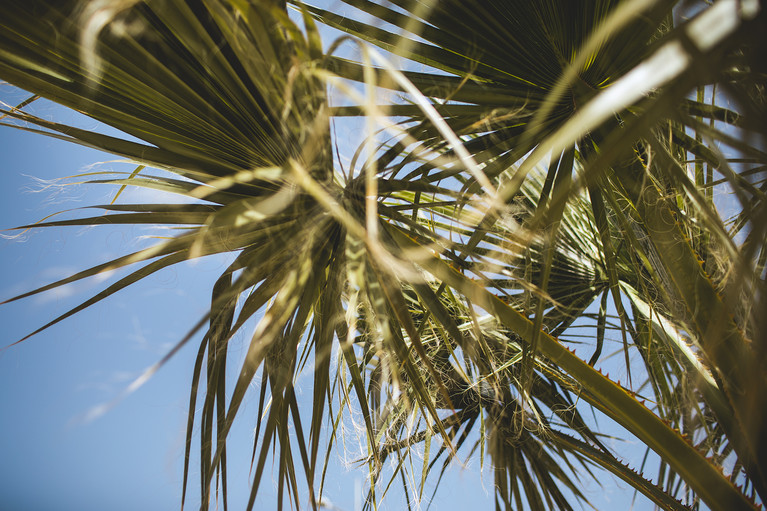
550, 170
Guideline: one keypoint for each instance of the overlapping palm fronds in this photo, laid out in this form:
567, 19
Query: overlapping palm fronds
555, 178
547, 65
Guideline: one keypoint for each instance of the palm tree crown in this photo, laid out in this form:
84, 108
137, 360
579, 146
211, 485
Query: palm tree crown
536, 178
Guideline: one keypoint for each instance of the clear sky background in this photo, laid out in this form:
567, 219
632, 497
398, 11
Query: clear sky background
131, 457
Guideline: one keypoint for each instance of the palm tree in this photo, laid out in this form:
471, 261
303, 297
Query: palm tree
549, 180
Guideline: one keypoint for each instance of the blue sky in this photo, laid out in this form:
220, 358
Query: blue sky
51, 457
